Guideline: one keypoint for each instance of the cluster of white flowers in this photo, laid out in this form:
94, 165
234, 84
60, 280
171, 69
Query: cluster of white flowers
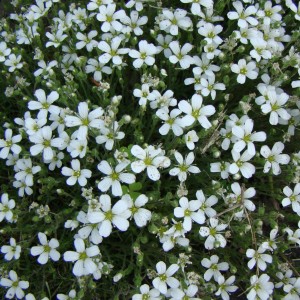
160, 130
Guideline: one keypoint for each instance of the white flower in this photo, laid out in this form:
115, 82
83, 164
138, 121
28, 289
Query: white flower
241, 164
46, 250
189, 210
6, 207
86, 40
180, 54
292, 6
249, 193
214, 238
109, 135
243, 16
169, 241
56, 38
96, 67
140, 215
185, 166
262, 288
108, 216
196, 8
71, 295
143, 94
220, 167
190, 139
13, 62
225, 287
258, 257
149, 159
260, 49
162, 101
45, 69
171, 121
88, 230
138, 4
172, 21
14, 285
210, 32
26, 171
204, 65
274, 158
43, 143
270, 14
77, 148
114, 177
12, 251
274, 106
10, 143
208, 86
164, 41
134, 23
109, 16
85, 120
292, 290
293, 236
211, 50
244, 69
4, 51
213, 267
32, 126
206, 204
195, 111
84, 263
270, 244
164, 277
245, 137
76, 174
40, 9
144, 55
146, 293
293, 197
182, 294
111, 51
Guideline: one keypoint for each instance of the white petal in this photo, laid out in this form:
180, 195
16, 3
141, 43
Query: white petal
153, 173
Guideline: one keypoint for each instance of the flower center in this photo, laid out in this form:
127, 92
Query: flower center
46, 143
243, 71
148, 161
85, 122
109, 215
77, 173
187, 213
183, 168
163, 277
47, 248
82, 256
134, 209
212, 231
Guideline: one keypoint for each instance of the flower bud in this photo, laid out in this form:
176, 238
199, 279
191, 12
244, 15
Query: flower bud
117, 277
237, 176
222, 56
241, 49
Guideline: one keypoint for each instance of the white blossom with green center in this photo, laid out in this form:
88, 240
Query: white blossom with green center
185, 166
110, 216
114, 177
165, 277
83, 258
85, 120
46, 250
150, 159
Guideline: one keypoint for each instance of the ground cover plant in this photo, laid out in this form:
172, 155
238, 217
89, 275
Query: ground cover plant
150, 149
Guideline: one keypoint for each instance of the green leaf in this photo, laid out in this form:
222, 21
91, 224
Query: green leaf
136, 186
